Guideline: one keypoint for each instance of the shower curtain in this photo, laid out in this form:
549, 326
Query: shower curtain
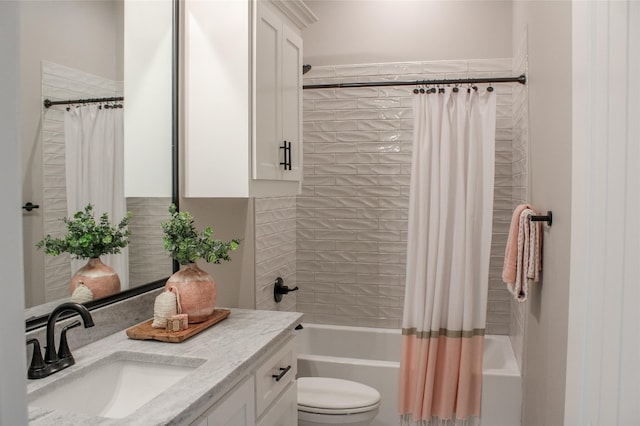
449, 239
94, 149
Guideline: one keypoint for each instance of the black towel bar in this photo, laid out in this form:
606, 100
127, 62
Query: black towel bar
547, 218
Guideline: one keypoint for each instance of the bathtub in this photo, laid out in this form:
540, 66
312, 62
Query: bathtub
371, 356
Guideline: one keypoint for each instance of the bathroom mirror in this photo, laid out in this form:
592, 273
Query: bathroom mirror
80, 49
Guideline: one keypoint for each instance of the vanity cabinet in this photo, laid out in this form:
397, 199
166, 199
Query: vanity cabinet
285, 411
266, 397
243, 97
237, 408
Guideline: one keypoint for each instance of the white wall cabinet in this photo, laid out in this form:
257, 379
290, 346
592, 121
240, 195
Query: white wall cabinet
266, 397
243, 97
277, 98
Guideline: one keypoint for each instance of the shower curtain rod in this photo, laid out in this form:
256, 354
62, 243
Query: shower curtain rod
522, 79
47, 103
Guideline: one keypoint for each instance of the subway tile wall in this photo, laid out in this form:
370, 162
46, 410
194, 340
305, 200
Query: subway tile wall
148, 260
352, 212
275, 250
520, 193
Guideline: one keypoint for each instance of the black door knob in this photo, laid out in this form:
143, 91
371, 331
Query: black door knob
30, 206
279, 289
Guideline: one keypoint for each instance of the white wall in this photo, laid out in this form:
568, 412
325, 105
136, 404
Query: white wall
520, 181
549, 80
374, 31
229, 218
13, 409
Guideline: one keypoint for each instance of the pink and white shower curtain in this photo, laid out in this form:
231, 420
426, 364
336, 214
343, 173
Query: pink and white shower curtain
449, 242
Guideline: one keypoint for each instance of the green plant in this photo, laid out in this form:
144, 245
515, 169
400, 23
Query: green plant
186, 245
86, 238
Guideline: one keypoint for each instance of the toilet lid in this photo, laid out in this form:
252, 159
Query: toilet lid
324, 394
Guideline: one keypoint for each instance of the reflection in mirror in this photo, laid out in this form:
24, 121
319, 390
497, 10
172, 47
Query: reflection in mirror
94, 49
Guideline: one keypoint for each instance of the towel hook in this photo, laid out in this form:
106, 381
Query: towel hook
547, 218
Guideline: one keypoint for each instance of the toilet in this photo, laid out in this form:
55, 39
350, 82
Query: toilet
329, 401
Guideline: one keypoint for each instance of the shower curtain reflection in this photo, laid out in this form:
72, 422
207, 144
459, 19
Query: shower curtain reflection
94, 149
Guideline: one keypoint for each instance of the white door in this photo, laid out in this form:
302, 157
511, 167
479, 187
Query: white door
603, 375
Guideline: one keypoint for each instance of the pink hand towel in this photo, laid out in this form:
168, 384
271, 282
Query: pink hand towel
528, 265
511, 251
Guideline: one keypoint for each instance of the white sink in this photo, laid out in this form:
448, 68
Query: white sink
115, 386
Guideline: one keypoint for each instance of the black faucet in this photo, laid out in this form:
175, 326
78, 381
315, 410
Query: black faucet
53, 361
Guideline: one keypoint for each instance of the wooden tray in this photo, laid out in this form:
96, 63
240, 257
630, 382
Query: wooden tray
144, 331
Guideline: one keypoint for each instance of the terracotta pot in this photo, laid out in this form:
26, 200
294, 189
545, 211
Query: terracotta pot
100, 278
196, 290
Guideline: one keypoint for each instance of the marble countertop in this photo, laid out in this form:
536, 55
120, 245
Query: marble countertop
229, 349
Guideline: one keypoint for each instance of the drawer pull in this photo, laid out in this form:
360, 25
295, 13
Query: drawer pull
283, 371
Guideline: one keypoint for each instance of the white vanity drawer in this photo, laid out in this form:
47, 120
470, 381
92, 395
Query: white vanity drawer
273, 376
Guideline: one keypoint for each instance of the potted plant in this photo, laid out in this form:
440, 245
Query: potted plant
196, 288
88, 238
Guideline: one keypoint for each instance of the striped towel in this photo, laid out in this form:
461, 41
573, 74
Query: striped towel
523, 256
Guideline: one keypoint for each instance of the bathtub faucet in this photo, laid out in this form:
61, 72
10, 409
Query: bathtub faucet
279, 289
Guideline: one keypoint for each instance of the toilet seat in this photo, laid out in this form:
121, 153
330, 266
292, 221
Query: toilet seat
324, 395
346, 411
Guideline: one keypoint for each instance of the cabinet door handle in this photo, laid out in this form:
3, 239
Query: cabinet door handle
286, 146
283, 371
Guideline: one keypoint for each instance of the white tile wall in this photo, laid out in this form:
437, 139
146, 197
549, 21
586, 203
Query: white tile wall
520, 190
352, 213
275, 250
148, 260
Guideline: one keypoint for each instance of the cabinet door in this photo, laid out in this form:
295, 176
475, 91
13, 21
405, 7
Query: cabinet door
267, 129
237, 408
292, 100
284, 411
